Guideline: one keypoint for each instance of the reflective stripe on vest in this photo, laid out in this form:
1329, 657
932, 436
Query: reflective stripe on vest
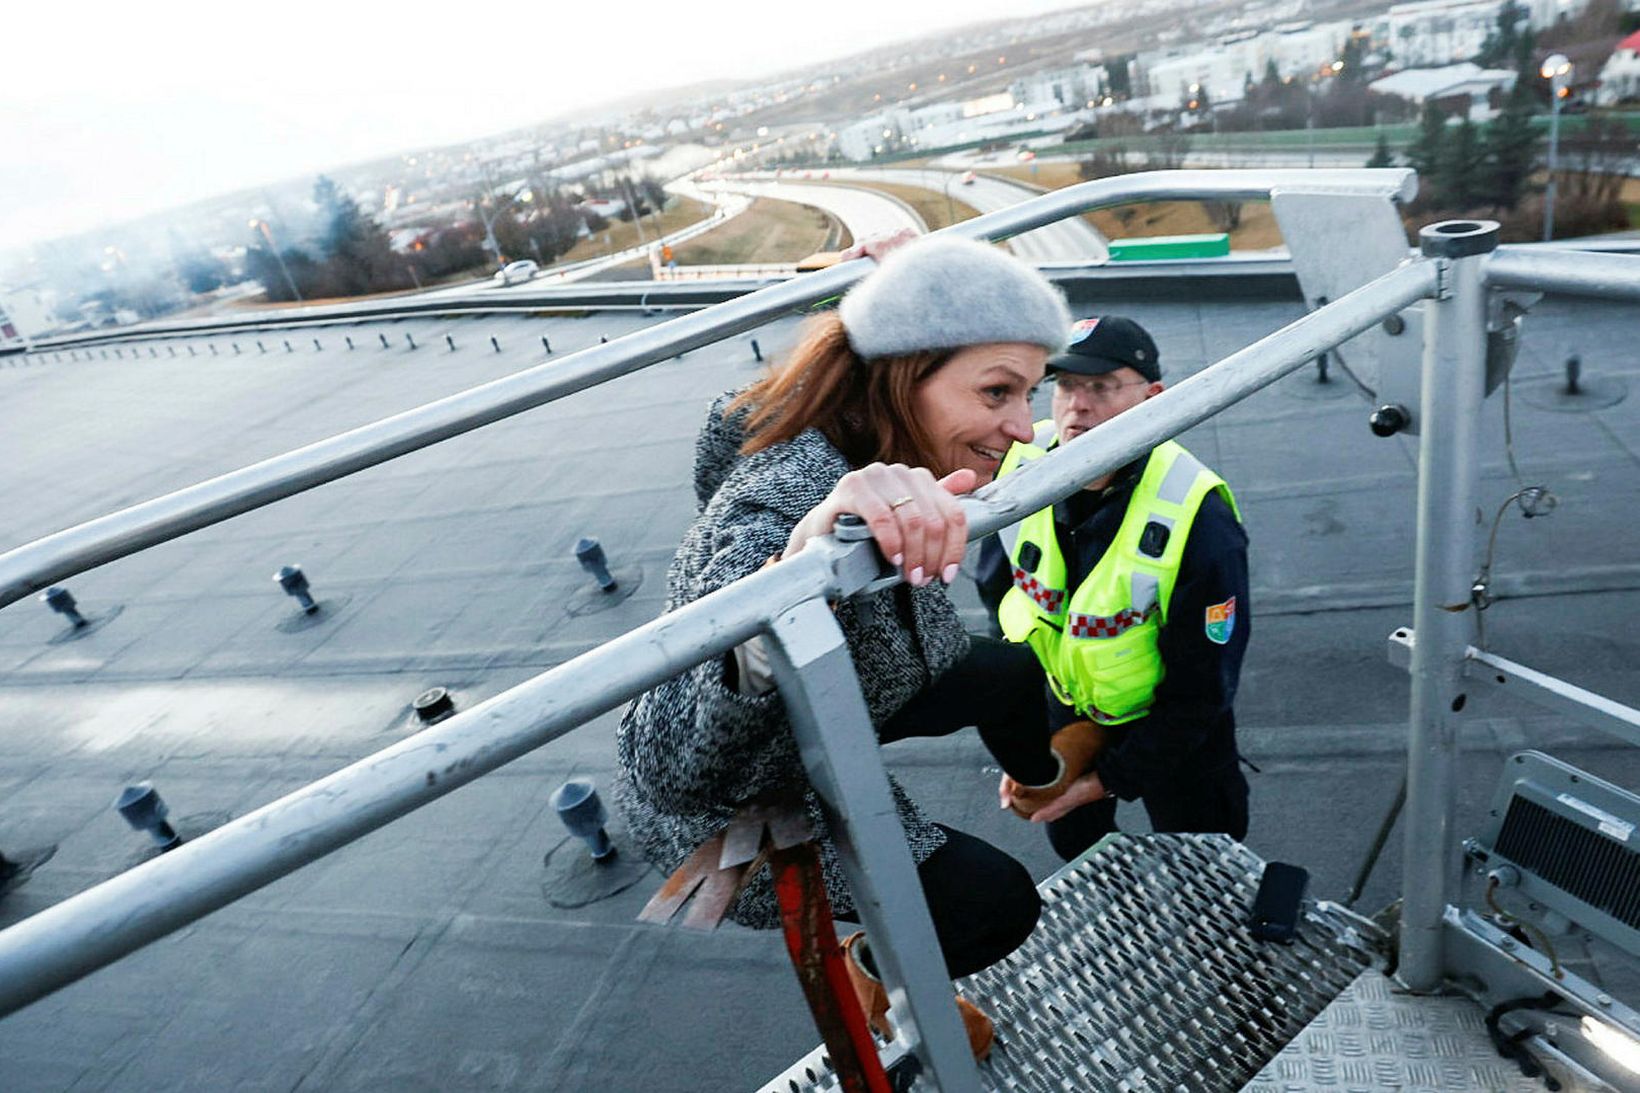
1100, 655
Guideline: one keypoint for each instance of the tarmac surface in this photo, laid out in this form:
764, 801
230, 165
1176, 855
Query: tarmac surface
436, 954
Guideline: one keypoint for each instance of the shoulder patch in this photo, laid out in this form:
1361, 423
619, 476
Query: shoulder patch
1221, 621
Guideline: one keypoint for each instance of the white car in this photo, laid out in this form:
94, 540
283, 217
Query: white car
514, 272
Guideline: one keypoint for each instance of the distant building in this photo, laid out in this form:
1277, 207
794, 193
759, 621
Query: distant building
1620, 78
1468, 88
1439, 32
1224, 67
1076, 87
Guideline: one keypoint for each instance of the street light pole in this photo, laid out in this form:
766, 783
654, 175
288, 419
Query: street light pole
267, 233
1557, 70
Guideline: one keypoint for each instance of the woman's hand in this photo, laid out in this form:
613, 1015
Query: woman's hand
916, 520
1082, 791
877, 247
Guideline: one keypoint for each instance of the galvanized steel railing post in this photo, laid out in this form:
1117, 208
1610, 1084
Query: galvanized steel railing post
1454, 387
839, 748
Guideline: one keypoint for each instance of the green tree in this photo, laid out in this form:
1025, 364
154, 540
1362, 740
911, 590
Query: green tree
1503, 41
1116, 76
1424, 152
1459, 173
1354, 58
1509, 147
1380, 154
354, 247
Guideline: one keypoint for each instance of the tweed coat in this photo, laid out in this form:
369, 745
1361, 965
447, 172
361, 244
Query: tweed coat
694, 749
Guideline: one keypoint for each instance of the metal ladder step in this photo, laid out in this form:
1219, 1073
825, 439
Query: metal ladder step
1142, 975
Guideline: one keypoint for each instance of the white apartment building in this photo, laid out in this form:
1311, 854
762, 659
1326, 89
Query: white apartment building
1075, 87
1440, 32
873, 134
1224, 67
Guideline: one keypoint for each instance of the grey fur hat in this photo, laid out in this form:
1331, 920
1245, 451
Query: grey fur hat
946, 293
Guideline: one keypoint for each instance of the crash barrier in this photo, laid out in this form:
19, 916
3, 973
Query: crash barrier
787, 603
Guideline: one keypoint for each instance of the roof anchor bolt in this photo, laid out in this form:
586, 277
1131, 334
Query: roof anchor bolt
591, 556
495, 344
757, 350
383, 337
61, 601
260, 347
579, 807
316, 346
1574, 371
288, 349
546, 344
145, 811
348, 338
295, 583
434, 705
451, 342
410, 338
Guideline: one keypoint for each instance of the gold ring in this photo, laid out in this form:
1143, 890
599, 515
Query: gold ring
906, 500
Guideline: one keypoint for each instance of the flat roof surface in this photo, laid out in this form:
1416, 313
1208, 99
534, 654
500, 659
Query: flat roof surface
430, 955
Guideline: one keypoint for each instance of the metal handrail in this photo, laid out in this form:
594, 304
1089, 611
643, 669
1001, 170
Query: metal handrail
37, 564
96, 927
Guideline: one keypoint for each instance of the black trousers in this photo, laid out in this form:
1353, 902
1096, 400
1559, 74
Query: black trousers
982, 901
1202, 802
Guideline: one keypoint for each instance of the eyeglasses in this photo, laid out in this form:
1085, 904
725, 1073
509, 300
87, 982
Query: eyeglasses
1096, 388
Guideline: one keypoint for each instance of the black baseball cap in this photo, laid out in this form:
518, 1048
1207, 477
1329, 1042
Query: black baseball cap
1105, 343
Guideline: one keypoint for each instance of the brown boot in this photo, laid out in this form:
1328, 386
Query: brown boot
874, 1002
981, 1033
1077, 745
867, 988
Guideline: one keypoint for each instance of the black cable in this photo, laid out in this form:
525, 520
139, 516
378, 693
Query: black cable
1513, 1046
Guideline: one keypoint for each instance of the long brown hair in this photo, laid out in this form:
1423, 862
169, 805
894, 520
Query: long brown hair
864, 408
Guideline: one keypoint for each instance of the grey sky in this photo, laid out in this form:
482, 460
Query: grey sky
111, 110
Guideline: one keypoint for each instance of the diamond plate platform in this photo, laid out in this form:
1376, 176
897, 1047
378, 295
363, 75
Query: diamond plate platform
1375, 1036
1142, 976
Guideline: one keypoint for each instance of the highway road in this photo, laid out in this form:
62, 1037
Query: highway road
864, 213
1073, 240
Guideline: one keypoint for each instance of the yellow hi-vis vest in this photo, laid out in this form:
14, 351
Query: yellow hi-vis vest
1098, 645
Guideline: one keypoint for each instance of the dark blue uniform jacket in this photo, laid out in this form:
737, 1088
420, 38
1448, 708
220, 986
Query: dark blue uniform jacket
1190, 731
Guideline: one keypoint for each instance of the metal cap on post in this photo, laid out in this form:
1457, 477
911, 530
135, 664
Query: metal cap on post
61, 600
295, 583
143, 809
582, 811
1458, 238
591, 556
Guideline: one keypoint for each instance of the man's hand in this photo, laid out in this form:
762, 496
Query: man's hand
1084, 791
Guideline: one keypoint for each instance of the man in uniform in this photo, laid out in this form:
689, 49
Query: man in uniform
1133, 592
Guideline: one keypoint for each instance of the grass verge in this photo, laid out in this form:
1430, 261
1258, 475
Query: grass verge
679, 213
770, 231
